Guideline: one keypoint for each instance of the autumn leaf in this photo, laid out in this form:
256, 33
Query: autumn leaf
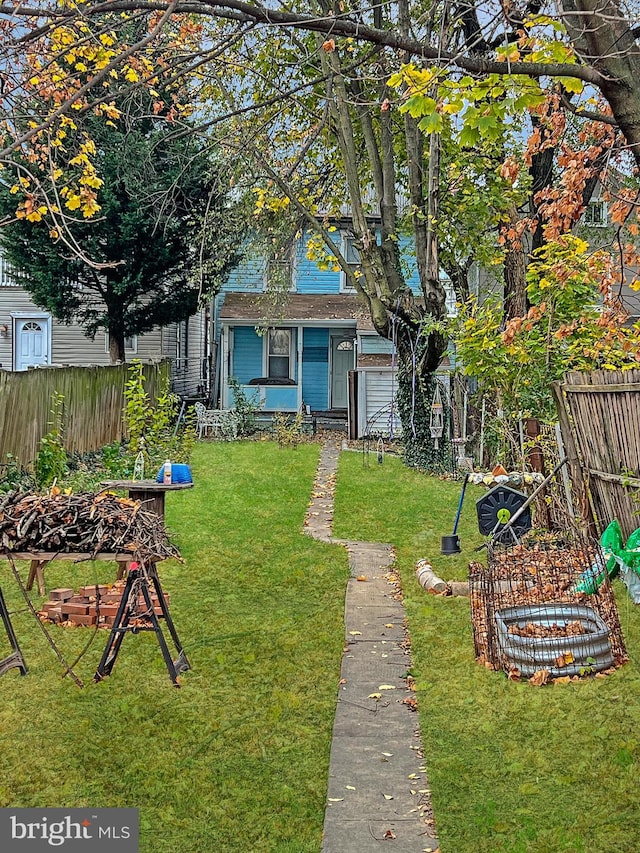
539, 678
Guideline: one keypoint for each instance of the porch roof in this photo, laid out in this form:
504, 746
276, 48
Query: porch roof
246, 308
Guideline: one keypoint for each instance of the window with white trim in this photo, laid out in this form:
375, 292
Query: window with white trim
279, 353
279, 275
595, 214
130, 343
182, 340
352, 257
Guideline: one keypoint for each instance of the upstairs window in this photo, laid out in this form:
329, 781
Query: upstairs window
595, 215
352, 257
279, 275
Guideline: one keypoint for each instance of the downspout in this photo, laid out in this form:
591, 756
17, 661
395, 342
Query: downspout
206, 346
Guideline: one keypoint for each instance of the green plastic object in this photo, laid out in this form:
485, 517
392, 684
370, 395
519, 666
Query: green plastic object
611, 543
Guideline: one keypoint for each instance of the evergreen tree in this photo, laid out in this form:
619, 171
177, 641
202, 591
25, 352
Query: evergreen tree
163, 238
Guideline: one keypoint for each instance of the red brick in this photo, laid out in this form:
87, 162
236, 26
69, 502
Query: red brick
74, 609
55, 614
108, 609
61, 594
90, 591
78, 619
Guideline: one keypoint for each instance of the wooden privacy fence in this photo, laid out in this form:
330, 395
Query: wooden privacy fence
92, 413
599, 415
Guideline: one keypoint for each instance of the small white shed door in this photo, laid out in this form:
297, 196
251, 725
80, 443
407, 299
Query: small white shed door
32, 342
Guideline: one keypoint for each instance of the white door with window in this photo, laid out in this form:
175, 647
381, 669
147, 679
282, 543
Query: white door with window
32, 337
342, 352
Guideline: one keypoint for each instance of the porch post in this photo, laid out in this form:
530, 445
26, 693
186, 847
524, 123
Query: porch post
300, 343
224, 367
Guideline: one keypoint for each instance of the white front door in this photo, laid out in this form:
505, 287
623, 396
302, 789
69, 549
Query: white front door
342, 353
32, 341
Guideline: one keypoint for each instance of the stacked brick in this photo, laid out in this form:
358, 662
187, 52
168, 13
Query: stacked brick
95, 604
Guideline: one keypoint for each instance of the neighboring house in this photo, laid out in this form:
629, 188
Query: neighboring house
31, 337
596, 226
310, 345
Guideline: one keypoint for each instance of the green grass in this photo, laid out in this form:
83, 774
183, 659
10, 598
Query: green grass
236, 760
513, 768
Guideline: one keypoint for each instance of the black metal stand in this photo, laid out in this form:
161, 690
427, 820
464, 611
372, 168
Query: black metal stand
15, 658
137, 585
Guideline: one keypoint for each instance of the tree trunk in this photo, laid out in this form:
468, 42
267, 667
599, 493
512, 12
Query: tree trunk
418, 357
116, 347
602, 36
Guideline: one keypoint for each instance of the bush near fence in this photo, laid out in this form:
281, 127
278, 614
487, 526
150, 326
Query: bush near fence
93, 403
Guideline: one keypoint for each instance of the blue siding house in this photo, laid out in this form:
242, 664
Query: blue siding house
296, 349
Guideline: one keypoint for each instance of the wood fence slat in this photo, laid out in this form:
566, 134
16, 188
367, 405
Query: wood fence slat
92, 406
604, 424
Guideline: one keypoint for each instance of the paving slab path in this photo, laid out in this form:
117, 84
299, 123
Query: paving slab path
378, 792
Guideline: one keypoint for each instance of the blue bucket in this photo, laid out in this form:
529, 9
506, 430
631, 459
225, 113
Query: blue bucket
179, 474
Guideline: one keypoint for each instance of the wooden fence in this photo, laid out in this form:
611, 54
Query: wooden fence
93, 403
600, 421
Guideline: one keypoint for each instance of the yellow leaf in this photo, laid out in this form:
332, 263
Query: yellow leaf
386, 687
374, 696
356, 633
73, 201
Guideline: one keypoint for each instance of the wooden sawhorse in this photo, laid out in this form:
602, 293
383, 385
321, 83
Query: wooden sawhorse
40, 559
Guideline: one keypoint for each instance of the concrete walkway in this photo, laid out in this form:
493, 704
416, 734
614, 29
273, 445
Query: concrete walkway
378, 789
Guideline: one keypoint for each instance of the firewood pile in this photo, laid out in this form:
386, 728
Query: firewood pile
528, 576
81, 523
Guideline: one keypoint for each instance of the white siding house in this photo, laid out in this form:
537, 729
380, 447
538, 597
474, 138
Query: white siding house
31, 337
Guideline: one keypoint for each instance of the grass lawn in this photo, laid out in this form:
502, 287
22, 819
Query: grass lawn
236, 760
513, 768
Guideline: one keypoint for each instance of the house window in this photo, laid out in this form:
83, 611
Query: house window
279, 354
352, 257
182, 340
279, 275
130, 343
595, 215
451, 300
